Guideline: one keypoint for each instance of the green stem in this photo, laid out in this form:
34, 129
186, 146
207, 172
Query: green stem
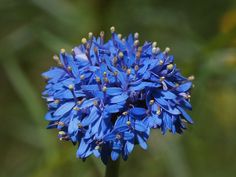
112, 168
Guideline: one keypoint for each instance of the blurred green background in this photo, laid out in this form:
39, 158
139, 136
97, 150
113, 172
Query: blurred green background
201, 35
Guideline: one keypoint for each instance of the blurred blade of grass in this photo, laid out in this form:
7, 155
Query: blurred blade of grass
220, 41
23, 88
14, 41
51, 41
172, 153
60, 9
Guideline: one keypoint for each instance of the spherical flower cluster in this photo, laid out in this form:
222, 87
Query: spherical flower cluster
107, 96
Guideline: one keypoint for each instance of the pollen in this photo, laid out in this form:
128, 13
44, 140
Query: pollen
56, 58
191, 78
84, 40
125, 113
82, 77
63, 51
162, 78
71, 86
128, 71
170, 66
167, 50
95, 102
118, 136
104, 89
61, 133
119, 36
151, 102
97, 147
90, 35
112, 29
128, 123
121, 55
136, 42
98, 80
154, 44
161, 62
56, 101
69, 68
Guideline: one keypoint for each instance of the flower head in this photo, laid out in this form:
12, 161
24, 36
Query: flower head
106, 96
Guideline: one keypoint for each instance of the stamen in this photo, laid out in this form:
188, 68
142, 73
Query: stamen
61, 123
128, 123
167, 50
136, 35
118, 136
104, 89
84, 40
121, 55
115, 73
98, 80
158, 110
136, 67
112, 29
61, 133
97, 147
71, 86
56, 101
154, 44
63, 51
82, 77
128, 71
191, 78
125, 113
95, 103
90, 35
151, 102
161, 62
119, 36
136, 43
69, 68
170, 66
162, 78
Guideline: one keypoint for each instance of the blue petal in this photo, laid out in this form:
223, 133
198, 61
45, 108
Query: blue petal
168, 95
90, 87
53, 73
113, 108
91, 118
66, 107
184, 87
142, 143
138, 111
87, 103
129, 146
139, 126
186, 116
119, 98
115, 155
128, 136
114, 91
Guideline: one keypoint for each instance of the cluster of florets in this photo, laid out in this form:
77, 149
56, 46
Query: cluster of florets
107, 96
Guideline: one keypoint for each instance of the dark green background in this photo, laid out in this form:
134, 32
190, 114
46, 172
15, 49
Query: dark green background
201, 35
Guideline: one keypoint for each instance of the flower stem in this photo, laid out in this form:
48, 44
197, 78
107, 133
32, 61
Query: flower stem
112, 168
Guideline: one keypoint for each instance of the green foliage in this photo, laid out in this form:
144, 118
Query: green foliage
202, 37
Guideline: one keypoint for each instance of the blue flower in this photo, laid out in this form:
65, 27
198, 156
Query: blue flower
107, 96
